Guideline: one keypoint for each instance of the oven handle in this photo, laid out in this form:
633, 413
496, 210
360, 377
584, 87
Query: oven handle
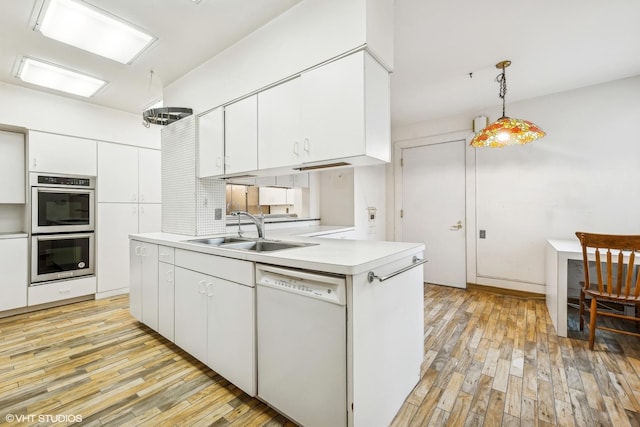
414, 263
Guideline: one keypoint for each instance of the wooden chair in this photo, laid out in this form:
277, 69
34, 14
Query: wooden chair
623, 289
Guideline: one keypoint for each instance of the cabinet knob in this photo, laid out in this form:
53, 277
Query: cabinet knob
296, 148
306, 145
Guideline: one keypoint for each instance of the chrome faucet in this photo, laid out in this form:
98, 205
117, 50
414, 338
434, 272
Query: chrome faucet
259, 222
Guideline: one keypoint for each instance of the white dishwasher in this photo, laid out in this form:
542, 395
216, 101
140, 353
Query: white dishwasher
302, 344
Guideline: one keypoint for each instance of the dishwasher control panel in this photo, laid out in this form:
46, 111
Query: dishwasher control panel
313, 285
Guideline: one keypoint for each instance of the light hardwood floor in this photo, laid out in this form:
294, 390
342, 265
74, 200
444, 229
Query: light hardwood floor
489, 360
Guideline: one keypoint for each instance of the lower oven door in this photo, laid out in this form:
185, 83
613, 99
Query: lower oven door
61, 256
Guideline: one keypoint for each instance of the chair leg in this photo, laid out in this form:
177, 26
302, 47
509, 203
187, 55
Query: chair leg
592, 322
581, 310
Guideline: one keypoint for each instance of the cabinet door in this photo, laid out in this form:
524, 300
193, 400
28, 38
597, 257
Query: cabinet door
241, 136
191, 312
135, 279
12, 174
149, 175
272, 196
231, 333
166, 303
115, 222
210, 153
13, 264
332, 116
279, 129
62, 154
150, 285
117, 173
149, 218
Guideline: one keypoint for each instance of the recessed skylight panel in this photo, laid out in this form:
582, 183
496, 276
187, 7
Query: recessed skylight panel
49, 75
81, 25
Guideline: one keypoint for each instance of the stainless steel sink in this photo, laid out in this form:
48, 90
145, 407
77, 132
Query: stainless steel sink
217, 241
249, 244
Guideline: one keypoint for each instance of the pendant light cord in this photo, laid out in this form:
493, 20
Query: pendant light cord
502, 80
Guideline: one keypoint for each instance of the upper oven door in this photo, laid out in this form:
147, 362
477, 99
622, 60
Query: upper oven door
62, 210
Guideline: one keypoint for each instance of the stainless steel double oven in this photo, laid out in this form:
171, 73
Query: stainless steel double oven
62, 227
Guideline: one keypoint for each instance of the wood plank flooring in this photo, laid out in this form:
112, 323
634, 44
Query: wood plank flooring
495, 360
489, 360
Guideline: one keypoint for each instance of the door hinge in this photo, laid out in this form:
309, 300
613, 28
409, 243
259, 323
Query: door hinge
401, 213
401, 162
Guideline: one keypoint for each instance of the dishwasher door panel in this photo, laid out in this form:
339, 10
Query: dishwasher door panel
302, 357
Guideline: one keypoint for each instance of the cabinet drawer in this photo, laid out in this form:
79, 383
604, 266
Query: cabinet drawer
56, 291
166, 254
231, 269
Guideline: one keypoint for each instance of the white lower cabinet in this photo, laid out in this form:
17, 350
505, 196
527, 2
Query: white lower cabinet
13, 264
166, 299
191, 312
115, 222
215, 317
143, 283
231, 333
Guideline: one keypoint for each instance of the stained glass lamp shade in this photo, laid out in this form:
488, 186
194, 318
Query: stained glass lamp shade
506, 131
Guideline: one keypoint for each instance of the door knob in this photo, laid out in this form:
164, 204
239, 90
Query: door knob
456, 227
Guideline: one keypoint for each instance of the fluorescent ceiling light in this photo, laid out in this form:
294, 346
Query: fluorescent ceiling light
55, 77
89, 28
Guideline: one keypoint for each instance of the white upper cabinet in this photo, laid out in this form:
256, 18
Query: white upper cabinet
339, 111
333, 110
210, 153
149, 175
62, 154
117, 173
128, 174
12, 174
346, 111
241, 136
279, 131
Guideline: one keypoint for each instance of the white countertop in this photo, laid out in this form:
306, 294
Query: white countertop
341, 256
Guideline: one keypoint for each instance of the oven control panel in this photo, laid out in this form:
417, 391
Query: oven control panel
67, 181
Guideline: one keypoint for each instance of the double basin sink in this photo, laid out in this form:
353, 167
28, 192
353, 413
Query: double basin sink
254, 245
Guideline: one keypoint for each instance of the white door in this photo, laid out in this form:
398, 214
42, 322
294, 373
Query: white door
433, 198
241, 135
279, 125
115, 222
118, 170
149, 166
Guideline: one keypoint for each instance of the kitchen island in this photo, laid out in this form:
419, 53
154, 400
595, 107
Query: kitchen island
217, 303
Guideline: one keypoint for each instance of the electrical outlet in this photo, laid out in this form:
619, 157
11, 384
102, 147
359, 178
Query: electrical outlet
483, 234
218, 214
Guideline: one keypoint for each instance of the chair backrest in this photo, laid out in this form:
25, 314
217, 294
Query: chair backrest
620, 247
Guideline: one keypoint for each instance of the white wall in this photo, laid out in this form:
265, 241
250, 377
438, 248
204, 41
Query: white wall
336, 197
311, 32
346, 195
369, 182
581, 176
41, 111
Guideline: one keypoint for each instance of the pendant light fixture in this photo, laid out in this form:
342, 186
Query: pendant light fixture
506, 131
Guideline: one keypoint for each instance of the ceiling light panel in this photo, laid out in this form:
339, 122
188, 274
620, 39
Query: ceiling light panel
89, 28
49, 75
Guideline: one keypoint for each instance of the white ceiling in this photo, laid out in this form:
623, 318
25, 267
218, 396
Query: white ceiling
555, 45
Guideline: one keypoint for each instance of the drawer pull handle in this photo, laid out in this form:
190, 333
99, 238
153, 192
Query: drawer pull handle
414, 263
64, 291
